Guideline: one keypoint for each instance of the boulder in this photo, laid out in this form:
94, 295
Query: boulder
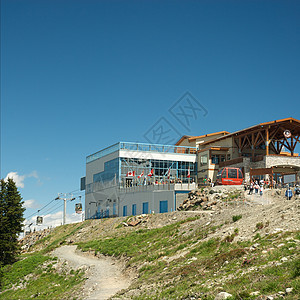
223, 295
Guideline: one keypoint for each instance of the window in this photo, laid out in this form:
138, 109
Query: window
220, 173
224, 174
232, 173
124, 210
240, 174
215, 159
145, 208
222, 157
133, 209
111, 170
203, 160
228, 157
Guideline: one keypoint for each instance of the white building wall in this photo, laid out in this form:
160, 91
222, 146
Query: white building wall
158, 155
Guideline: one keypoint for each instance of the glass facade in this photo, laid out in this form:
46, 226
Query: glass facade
111, 169
161, 169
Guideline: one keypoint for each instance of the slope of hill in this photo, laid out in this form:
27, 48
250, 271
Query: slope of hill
221, 241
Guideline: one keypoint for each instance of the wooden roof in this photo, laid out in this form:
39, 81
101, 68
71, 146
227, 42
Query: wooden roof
207, 135
182, 139
291, 124
193, 138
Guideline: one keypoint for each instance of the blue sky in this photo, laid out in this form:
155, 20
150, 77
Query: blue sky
77, 76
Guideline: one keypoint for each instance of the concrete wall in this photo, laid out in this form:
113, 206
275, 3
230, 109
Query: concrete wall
106, 199
158, 155
180, 197
153, 199
271, 161
97, 166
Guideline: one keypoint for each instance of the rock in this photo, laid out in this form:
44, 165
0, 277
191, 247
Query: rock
284, 259
223, 295
288, 290
270, 297
256, 293
280, 245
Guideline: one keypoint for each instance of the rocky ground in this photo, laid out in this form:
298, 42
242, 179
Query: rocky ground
235, 215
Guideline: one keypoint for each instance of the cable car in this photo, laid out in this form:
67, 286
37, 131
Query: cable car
230, 176
39, 220
78, 208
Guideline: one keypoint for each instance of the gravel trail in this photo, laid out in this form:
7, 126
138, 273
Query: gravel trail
105, 276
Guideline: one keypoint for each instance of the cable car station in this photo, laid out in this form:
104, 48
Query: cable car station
135, 178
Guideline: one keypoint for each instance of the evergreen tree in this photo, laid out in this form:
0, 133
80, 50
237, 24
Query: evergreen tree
11, 212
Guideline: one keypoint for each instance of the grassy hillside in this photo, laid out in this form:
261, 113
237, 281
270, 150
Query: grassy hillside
174, 263
180, 255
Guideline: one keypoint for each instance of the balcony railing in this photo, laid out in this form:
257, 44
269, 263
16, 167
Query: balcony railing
230, 162
142, 147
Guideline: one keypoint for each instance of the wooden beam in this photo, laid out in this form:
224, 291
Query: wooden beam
256, 140
252, 145
272, 145
267, 141
272, 135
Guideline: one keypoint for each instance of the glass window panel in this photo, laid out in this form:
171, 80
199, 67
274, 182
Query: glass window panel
232, 173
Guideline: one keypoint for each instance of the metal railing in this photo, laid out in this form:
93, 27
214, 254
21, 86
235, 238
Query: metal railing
142, 147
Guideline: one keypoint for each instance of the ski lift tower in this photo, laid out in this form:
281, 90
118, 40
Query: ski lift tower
63, 196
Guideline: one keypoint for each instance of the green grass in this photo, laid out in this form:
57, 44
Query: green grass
236, 218
175, 262
14, 273
195, 261
59, 236
34, 277
144, 244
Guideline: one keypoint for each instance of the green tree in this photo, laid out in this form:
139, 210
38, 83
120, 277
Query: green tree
11, 213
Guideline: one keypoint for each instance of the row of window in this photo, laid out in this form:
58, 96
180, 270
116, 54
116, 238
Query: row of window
215, 159
163, 208
111, 170
160, 168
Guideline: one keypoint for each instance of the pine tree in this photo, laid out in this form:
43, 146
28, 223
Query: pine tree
11, 211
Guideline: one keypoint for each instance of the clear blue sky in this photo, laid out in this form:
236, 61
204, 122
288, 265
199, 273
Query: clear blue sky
77, 76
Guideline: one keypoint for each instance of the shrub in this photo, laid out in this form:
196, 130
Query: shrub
259, 225
229, 238
236, 218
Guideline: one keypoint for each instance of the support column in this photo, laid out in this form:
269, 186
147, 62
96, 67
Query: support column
252, 146
267, 141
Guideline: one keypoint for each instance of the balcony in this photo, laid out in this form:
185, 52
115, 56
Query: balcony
142, 147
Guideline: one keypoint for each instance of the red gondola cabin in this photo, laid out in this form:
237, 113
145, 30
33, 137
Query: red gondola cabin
230, 176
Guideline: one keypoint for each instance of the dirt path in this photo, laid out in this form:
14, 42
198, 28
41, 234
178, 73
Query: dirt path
105, 276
